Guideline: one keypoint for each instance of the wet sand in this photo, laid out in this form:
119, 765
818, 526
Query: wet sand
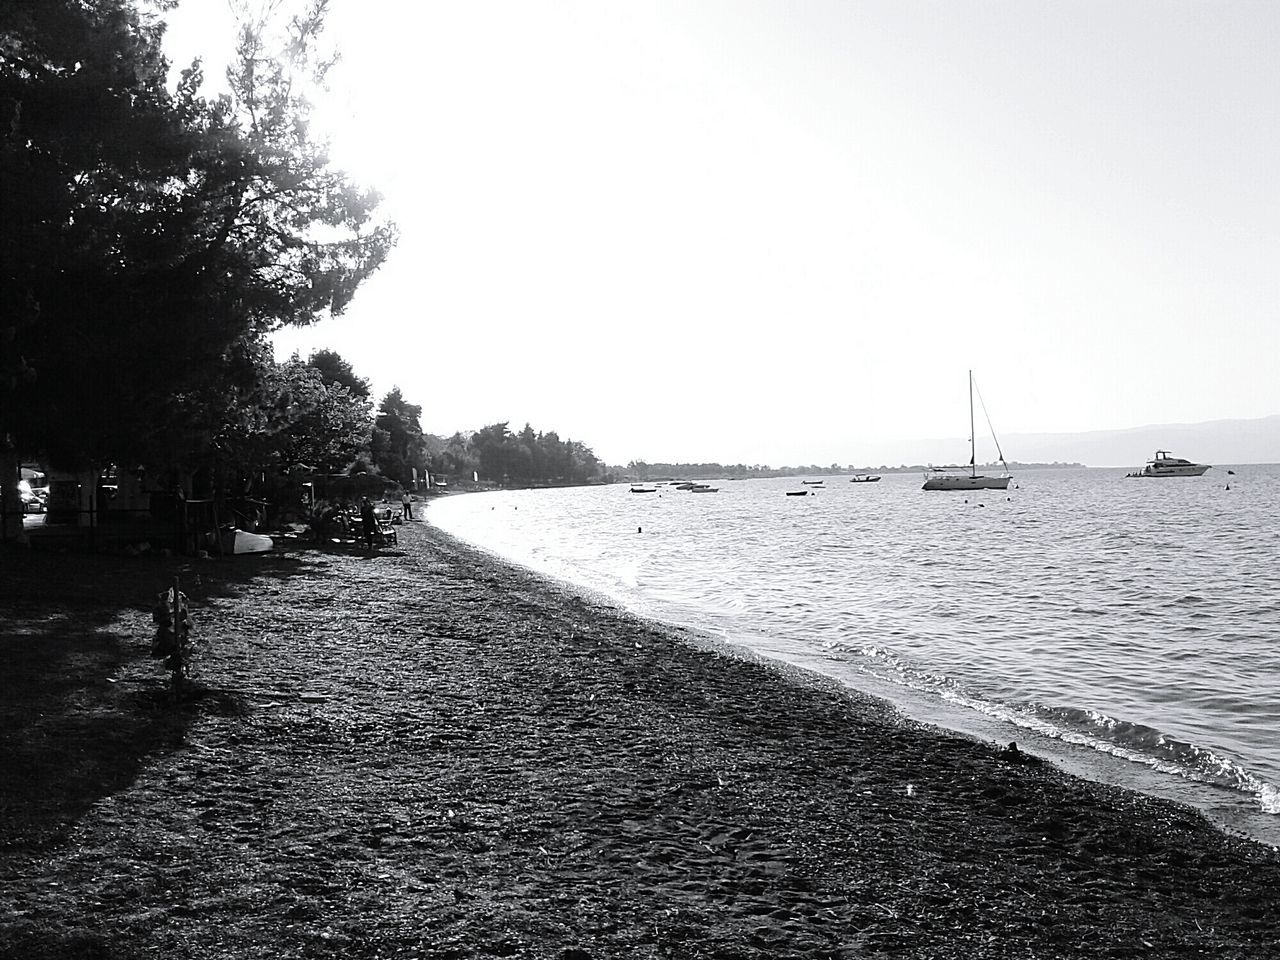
427, 753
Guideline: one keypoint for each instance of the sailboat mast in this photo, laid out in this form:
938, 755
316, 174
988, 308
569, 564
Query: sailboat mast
973, 459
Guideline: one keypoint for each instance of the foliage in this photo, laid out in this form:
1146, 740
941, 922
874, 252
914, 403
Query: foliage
266, 417
150, 239
398, 446
527, 457
151, 232
457, 458
334, 369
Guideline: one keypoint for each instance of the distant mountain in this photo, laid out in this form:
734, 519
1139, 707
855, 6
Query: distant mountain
1216, 441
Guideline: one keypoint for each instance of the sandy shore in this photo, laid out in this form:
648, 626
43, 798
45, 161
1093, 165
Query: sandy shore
429, 754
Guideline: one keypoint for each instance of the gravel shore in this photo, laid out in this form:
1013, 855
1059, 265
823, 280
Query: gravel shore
427, 753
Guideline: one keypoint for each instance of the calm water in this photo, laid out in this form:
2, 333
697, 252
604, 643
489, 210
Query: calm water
1130, 629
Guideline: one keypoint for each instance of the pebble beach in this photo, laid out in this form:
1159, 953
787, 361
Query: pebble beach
424, 752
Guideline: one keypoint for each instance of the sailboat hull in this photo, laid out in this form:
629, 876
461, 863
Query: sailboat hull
962, 482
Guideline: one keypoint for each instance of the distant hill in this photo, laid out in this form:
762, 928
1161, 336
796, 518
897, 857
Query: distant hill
1215, 441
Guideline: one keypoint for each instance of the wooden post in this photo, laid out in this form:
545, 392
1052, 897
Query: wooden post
179, 654
217, 527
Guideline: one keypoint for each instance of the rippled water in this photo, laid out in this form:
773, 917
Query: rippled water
1082, 612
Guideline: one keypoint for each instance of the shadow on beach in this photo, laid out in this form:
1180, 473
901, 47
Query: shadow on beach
83, 704
427, 752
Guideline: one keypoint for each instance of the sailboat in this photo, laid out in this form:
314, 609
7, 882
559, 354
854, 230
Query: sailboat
955, 478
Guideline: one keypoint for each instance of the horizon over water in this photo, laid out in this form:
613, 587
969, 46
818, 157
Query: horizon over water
1128, 629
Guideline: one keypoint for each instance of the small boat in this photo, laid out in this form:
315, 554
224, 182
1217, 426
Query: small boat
863, 478
235, 540
1163, 464
812, 483
797, 493
638, 489
687, 485
704, 488
955, 478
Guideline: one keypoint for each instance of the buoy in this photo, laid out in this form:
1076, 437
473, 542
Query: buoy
639, 530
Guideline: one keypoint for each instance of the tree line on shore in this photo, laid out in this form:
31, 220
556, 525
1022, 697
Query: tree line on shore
641, 470
152, 237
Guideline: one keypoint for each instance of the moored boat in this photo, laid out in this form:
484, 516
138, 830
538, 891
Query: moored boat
863, 478
956, 478
1163, 464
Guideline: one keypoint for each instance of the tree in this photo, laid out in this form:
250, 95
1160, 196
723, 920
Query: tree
154, 234
457, 459
489, 444
531, 458
398, 446
334, 369
266, 418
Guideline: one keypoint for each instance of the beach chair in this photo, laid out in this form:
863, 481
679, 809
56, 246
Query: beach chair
386, 533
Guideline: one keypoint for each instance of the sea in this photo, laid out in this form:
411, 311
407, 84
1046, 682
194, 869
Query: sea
1127, 629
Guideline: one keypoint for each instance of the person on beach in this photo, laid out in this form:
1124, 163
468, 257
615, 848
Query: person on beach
368, 521
407, 502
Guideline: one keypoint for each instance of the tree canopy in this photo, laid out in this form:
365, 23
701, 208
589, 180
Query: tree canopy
146, 236
151, 237
527, 457
398, 446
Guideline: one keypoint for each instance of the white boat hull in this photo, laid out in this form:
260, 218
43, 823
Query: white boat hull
245, 542
1192, 470
962, 482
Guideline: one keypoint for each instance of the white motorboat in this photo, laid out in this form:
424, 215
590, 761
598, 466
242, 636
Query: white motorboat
1165, 465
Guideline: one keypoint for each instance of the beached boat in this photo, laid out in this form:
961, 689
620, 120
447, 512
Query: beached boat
968, 478
235, 540
1165, 465
863, 478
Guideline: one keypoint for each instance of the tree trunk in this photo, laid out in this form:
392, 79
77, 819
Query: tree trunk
11, 508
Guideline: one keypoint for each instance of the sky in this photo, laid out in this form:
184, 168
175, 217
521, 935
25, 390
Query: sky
783, 233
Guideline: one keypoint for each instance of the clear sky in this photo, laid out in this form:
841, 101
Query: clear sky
782, 232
